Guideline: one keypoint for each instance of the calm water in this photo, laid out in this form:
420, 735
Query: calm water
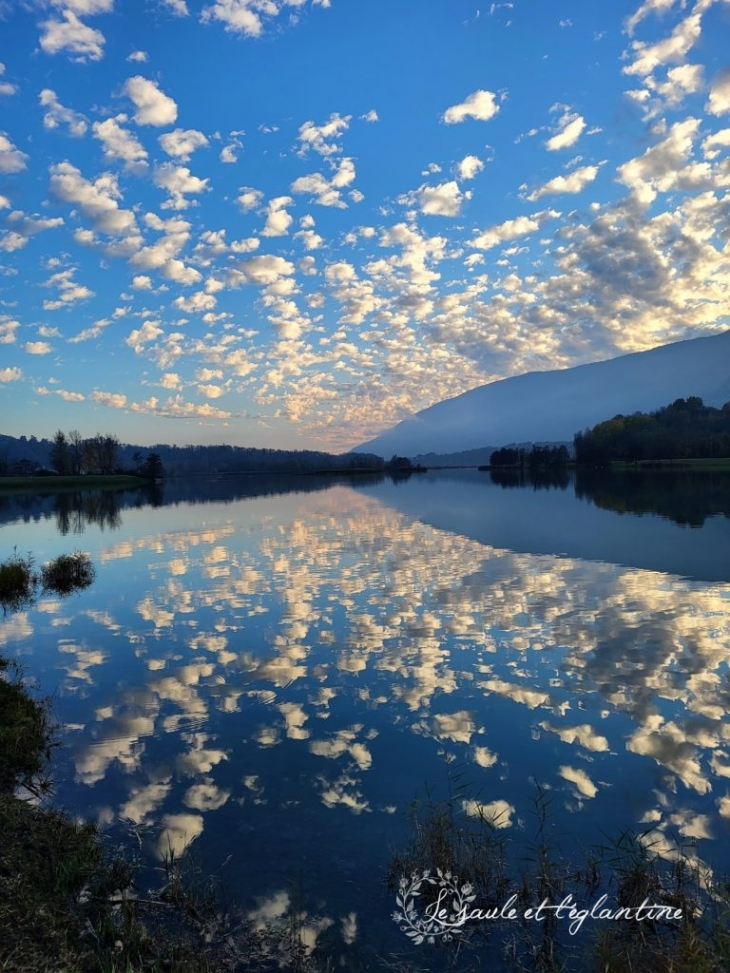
273, 669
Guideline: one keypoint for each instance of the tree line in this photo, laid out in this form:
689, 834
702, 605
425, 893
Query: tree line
686, 429
535, 459
73, 455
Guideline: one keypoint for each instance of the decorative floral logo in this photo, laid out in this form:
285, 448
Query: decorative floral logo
442, 919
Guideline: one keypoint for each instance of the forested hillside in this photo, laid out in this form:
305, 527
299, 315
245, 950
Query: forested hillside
686, 429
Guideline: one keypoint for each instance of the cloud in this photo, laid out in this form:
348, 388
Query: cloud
97, 200
648, 7
442, 200
670, 49
278, 220
24, 227
69, 291
371, 116
574, 182
469, 166
512, 229
719, 100
177, 7
110, 399
265, 269
139, 56
326, 192
70, 34
10, 374
11, 158
56, 115
178, 181
153, 106
6, 89
570, 132
249, 198
246, 16
182, 142
119, 143
665, 165
319, 137
481, 105
70, 396
37, 347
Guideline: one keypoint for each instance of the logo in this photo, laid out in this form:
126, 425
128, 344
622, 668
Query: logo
444, 918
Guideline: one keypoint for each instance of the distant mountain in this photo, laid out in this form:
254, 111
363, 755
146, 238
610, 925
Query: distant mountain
553, 406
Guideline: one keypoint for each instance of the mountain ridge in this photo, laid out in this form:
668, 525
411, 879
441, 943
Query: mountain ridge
551, 406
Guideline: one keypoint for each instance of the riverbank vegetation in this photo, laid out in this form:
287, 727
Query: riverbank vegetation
460, 844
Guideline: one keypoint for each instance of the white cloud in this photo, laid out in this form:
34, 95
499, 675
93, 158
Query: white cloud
265, 269
719, 100
668, 50
469, 166
97, 200
182, 142
11, 158
664, 165
142, 283
38, 347
481, 105
442, 200
574, 182
196, 303
69, 291
24, 227
319, 137
112, 400
119, 143
249, 198
371, 116
57, 115
6, 89
154, 107
177, 7
178, 181
278, 220
70, 34
10, 374
572, 126
648, 7
512, 229
326, 192
139, 56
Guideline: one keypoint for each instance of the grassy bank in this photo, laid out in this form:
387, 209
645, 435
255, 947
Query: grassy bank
50, 484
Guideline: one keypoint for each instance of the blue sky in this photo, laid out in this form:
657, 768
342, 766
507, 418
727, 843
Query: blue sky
291, 223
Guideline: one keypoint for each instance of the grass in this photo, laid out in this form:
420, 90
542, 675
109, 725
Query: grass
50, 484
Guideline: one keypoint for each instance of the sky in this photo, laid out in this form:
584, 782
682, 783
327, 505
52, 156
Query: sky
293, 223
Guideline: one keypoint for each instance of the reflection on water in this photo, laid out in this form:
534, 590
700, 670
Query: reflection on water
688, 497
260, 674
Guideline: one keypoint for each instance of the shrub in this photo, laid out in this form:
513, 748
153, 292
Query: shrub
67, 573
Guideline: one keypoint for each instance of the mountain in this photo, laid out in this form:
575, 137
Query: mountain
552, 406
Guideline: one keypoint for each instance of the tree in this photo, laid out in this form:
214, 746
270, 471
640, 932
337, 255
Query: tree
60, 458
152, 467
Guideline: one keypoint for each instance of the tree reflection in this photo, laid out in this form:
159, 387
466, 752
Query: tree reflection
686, 497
